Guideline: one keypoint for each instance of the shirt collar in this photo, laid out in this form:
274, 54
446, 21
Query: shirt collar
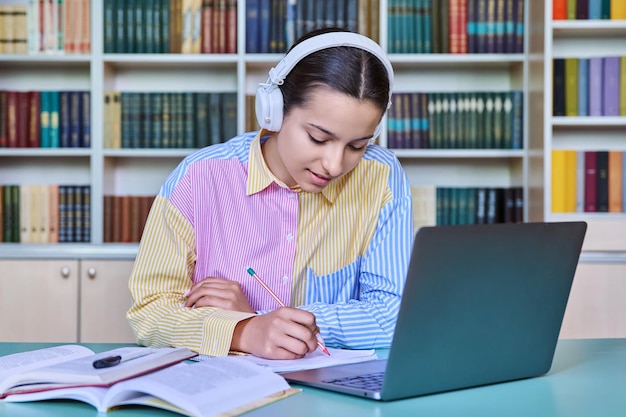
260, 177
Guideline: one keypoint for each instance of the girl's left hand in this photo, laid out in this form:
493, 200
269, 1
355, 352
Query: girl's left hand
218, 292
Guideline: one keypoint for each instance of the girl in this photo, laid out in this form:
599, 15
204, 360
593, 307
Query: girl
320, 212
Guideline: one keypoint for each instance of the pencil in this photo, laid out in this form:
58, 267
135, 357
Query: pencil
320, 342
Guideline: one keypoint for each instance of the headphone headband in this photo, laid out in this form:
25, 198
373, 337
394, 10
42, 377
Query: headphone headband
269, 100
324, 41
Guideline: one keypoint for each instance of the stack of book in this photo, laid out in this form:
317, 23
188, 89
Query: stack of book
456, 26
45, 119
168, 120
45, 26
124, 217
55, 213
272, 26
462, 120
589, 86
588, 181
466, 205
170, 26
588, 10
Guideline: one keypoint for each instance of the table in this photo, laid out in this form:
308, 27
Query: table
588, 378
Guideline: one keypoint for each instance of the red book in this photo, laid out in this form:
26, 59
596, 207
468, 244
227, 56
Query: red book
590, 182
23, 118
207, 23
559, 9
124, 218
34, 136
231, 27
454, 26
462, 25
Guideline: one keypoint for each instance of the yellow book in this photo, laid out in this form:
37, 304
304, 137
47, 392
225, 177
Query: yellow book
618, 10
558, 181
571, 86
615, 181
570, 181
187, 26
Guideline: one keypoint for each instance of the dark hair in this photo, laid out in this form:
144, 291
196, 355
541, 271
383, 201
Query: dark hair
349, 70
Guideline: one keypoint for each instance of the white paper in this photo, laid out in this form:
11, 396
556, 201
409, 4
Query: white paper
313, 360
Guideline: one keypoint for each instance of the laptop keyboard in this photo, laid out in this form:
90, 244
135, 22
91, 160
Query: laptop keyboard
373, 381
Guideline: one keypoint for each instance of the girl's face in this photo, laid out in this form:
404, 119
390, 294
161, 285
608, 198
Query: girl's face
321, 141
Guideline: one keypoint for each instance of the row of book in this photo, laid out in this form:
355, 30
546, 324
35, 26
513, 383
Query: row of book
45, 119
170, 26
434, 205
456, 26
124, 217
45, 26
588, 181
469, 120
589, 86
168, 120
588, 9
272, 26
54, 213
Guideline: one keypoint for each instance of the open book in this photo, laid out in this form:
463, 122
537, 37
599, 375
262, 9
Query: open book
73, 366
219, 386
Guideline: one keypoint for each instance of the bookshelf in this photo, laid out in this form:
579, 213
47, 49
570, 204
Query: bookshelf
594, 309
141, 171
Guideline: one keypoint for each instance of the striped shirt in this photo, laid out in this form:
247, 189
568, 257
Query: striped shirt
341, 254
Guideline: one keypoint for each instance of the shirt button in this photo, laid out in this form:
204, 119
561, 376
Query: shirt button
285, 279
291, 196
289, 237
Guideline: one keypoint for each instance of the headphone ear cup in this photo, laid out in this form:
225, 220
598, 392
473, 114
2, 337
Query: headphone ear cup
269, 107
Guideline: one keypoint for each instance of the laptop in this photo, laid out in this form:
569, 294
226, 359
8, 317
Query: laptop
482, 304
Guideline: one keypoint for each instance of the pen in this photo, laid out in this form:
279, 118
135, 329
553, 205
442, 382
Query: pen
320, 341
114, 360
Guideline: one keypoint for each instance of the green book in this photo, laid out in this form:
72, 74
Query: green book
571, 86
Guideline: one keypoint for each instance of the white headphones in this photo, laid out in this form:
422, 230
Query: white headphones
269, 99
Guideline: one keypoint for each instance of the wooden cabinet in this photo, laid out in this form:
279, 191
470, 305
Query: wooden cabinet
64, 300
596, 307
38, 300
104, 301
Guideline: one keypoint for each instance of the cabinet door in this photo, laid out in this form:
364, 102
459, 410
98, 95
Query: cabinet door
38, 301
596, 307
104, 301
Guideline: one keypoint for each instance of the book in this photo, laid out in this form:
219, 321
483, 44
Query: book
234, 388
72, 366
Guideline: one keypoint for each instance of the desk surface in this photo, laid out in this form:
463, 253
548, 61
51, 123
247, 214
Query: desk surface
588, 378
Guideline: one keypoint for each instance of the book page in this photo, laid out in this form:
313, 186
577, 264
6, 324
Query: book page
18, 363
313, 360
205, 388
89, 395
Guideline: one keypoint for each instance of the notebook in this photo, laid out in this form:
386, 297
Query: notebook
482, 304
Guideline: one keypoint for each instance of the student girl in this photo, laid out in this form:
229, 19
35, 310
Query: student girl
318, 210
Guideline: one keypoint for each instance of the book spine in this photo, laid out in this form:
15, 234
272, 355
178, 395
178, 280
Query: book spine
602, 181
611, 86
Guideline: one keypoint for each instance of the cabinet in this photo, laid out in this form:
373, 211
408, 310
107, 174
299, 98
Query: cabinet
594, 308
64, 300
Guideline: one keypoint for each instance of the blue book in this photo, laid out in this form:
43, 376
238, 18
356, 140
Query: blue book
264, 26
54, 119
252, 26
65, 115
76, 118
85, 128
44, 123
595, 9
583, 86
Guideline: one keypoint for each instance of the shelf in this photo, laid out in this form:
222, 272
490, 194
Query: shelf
588, 28
588, 121
69, 251
458, 153
44, 152
469, 61
147, 153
